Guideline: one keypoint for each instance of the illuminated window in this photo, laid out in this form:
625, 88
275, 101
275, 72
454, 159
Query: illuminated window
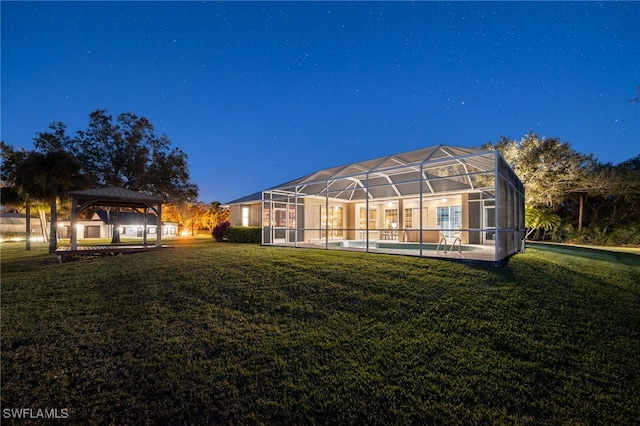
245, 216
331, 221
391, 218
373, 218
412, 218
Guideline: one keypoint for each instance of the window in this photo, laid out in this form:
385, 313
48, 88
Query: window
408, 218
280, 215
331, 221
391, 218
449, 219
411, 218
373, 218
266, 216
245, 216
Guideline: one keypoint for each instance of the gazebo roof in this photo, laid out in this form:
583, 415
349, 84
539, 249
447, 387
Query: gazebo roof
116, 197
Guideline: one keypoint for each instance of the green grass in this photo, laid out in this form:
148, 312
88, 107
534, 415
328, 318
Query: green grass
209, 333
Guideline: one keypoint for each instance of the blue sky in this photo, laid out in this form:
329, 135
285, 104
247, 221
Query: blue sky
260, 93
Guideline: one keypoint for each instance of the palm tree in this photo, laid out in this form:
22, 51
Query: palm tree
48, 177
536, 219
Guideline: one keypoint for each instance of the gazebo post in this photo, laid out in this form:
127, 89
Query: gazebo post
159, 227
144, 226
74, 221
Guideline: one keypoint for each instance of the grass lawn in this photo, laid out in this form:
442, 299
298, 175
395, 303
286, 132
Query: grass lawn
210, 333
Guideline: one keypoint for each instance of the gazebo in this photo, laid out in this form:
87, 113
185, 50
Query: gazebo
113, 197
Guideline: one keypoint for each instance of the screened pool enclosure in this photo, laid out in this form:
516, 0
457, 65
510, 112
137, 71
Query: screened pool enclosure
441, 201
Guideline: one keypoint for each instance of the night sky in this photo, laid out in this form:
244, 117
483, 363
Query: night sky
258, 94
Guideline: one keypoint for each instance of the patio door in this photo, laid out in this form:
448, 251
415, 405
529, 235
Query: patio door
279, 225
489, 225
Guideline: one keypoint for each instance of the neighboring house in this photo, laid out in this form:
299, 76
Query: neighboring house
131, 225
437, 201
14, 226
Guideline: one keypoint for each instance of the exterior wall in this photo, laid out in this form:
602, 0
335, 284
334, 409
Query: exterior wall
98, 229
255, 214
235, 215
313, 217
18, 226
351, 227
86, 229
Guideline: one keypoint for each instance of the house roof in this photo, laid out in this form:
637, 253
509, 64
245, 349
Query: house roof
440, 168
15, 218
256, 196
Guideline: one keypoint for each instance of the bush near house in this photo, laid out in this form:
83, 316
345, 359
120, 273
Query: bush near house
221, 231
245, 234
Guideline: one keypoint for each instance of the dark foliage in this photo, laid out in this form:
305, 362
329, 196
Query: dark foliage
221, 231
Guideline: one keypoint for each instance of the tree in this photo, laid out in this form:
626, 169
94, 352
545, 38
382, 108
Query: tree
614, 194
549, 169
128, 154
18, 195
536, 219
48, 177
195, 216
216, 215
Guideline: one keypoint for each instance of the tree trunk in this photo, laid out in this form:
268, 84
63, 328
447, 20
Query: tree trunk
115, 238
43, 225
28, 229
582, 196
53, 230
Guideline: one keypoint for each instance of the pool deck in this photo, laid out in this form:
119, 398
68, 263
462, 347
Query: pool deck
476, 252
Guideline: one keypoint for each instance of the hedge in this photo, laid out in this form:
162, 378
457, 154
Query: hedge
245, 234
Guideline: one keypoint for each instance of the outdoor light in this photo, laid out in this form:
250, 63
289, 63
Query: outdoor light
444, 199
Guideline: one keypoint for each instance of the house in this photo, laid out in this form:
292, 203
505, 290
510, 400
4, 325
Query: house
131, 225
440, 201
13, 227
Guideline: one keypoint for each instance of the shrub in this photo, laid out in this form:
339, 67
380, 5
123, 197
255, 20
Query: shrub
625, 235
221, 231
245, 234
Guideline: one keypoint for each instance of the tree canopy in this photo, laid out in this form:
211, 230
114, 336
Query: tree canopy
126, 153
574, 189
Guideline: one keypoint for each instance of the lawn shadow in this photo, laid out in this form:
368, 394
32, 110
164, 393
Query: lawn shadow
629, 259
